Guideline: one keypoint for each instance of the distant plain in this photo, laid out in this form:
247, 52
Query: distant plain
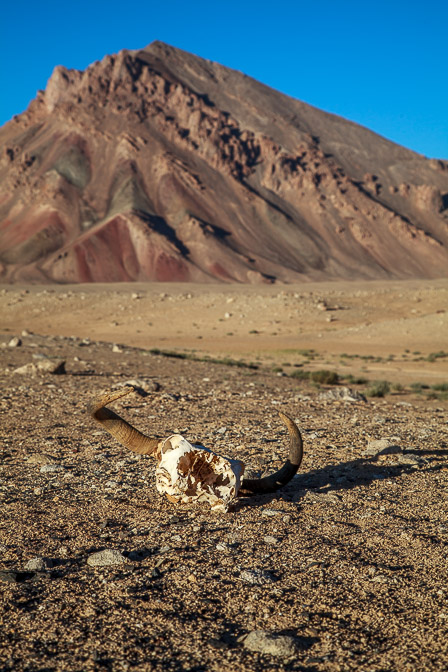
380, 330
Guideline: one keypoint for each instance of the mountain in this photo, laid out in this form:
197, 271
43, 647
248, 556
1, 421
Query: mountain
159, 165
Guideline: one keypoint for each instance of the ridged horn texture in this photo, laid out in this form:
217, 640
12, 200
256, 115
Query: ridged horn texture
119, 428
285, 474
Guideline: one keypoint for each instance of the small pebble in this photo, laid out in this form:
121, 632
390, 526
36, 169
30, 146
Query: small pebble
15, 342
383, 446
257, 577
262, 641
51, 468
11, 576
54, 367
40, 458
38, 564
106, 558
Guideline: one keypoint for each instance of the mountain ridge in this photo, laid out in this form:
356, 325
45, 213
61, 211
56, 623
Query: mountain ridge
156, 164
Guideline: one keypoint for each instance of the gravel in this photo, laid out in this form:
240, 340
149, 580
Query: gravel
356, 581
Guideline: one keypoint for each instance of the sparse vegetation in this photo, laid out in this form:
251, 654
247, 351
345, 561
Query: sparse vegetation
366, 358
322, 377
300, 374
438, 391
325, 377
433, 356
440, 387
171, 353
307, 353
418, 387
226, 361
378, 388
355, 380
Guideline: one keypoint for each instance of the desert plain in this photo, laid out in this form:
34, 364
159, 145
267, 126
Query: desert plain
343, 569
387, 330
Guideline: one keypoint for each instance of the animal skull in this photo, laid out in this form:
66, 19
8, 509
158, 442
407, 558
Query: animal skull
188, 473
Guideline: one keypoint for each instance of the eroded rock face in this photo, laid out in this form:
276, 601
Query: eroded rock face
193, 474
158, 165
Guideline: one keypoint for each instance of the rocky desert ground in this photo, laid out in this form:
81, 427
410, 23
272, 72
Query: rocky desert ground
344, 569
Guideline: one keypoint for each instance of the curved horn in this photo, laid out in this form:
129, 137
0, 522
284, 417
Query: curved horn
285, 474
119, 428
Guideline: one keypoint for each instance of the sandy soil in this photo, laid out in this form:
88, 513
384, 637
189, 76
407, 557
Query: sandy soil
388, 330
347, 562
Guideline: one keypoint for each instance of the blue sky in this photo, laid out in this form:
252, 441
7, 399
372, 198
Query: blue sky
381, 64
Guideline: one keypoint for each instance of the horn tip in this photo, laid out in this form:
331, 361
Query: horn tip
106, 398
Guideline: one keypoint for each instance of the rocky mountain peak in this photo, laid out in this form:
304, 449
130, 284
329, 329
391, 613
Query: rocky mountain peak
156, 164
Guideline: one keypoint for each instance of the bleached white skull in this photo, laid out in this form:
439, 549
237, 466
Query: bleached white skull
188, 473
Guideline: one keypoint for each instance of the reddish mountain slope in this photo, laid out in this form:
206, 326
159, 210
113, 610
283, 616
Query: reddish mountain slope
159, 165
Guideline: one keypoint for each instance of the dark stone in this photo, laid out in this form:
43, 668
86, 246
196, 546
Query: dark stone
11, 576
